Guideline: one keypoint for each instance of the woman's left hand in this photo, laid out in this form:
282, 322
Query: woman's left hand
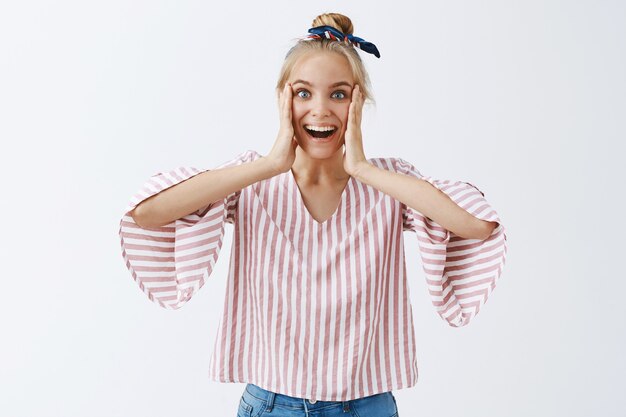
354, 157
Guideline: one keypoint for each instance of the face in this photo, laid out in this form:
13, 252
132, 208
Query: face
322, 84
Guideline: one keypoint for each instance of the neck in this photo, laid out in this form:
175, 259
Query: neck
319, 170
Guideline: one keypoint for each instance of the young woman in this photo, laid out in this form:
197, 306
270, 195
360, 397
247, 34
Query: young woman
317, 313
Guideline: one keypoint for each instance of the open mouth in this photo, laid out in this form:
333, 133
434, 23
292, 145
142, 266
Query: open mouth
320, 132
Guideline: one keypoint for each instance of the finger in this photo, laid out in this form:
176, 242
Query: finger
289, 99
359, 105
281, 97
286, 104
352, 108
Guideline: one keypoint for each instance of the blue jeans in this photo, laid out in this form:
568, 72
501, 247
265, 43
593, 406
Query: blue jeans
256, 402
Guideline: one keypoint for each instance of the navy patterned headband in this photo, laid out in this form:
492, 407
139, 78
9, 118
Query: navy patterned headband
329, 32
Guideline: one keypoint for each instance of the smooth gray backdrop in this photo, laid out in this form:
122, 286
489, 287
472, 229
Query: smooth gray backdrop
524, 99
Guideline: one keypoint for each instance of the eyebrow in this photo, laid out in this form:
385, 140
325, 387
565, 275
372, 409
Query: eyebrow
332, 86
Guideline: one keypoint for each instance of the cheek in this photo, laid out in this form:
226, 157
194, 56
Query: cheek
343, 114
297, 112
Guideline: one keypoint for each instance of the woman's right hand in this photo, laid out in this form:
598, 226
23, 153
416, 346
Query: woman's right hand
283, 153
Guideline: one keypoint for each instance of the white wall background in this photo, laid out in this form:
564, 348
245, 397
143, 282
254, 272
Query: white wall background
527, 100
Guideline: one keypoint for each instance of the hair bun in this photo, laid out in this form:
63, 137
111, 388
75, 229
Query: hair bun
336, 20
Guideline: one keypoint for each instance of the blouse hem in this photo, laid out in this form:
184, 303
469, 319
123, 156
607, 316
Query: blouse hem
300, 396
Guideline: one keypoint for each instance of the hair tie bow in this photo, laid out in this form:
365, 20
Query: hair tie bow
330, 32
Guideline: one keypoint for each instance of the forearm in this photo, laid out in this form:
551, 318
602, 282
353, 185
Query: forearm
199, 191
422, 196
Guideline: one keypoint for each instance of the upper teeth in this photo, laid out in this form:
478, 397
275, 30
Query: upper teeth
320, 129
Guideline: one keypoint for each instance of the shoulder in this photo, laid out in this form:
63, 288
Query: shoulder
395, 164
250, 155
241, 158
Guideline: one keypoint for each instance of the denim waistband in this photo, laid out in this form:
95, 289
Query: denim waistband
293, 402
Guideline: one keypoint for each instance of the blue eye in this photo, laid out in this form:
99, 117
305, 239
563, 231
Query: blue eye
302, 91
305, 94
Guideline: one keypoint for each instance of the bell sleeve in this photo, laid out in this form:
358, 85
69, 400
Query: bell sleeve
172, 262
460, 273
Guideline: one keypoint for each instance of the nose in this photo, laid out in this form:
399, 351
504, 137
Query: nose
320, 108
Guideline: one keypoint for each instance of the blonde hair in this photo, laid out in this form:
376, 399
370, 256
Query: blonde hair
304, 47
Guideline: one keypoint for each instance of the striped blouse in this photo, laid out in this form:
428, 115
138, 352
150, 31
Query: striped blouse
315, 310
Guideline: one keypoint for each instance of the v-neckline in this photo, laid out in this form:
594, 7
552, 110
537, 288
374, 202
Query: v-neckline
306, 210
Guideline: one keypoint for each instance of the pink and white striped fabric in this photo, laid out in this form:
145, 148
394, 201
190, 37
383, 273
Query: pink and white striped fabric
315, 310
